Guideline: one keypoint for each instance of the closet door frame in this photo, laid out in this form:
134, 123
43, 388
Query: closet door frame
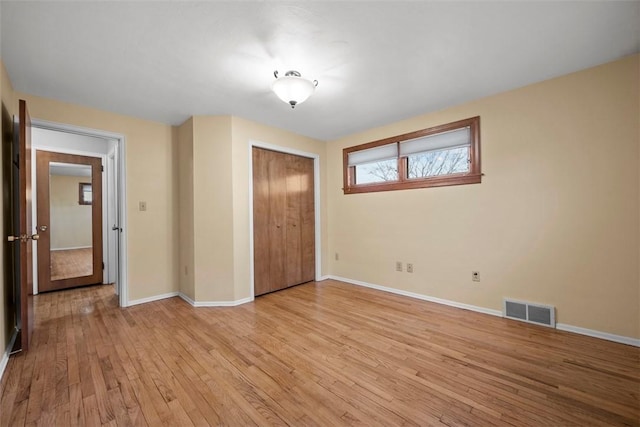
316, 201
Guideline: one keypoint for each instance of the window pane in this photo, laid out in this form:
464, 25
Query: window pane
437, 163
382, 171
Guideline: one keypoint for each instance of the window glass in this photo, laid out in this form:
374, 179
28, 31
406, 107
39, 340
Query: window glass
437, 163
381, 171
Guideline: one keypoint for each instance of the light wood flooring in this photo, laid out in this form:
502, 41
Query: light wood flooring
69, 263
319, 354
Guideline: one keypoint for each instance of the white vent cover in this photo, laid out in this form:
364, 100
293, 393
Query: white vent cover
529, 312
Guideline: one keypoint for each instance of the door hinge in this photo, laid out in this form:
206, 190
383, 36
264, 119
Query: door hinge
103, 265
101, 168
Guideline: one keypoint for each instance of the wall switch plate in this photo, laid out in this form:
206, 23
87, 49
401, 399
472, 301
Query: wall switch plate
475, 276
409, 268
398, 266
142, 206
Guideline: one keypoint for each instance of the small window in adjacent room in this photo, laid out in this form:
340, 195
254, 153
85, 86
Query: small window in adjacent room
85, 194
438, 156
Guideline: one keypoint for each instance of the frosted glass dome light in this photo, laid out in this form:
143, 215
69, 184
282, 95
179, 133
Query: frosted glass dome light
292, 88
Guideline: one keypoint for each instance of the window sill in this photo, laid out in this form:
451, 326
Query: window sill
415, 183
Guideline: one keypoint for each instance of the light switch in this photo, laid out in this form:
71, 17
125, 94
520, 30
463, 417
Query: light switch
142, 206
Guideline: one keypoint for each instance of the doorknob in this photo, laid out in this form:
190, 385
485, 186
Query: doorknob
43, 228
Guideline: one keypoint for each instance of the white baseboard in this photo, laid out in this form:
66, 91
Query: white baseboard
420, 296
187, 299
597, 334
190, 301
214, 303
151, 299
5, 356
321, 278
561, 326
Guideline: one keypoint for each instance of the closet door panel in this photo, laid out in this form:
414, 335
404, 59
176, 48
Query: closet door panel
277, 222
262, 283
294, 242
307, 221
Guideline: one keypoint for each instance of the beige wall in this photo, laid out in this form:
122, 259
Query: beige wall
70, 221
7, 319
555, 221
151, 168
213, 212
185, 199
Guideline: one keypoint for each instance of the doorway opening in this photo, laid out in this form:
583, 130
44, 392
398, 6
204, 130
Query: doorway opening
109, 149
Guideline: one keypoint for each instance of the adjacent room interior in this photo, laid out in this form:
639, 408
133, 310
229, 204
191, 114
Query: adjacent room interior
325, 213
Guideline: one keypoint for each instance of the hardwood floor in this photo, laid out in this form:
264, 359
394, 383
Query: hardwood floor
318, 354
69, 263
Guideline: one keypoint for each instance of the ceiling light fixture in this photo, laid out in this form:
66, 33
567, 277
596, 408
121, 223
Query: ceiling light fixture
292, 88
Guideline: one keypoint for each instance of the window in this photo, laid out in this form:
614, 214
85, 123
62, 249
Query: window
85, 194
438, 156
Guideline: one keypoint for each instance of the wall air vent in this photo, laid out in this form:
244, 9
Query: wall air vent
529, 312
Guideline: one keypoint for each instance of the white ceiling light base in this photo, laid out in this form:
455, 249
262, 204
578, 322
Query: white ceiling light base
292, 88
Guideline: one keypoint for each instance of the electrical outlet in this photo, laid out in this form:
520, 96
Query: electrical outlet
337, 257
409, 268
398, 266
475, 276
142, 206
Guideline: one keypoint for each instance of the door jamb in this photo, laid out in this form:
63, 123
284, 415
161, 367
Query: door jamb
316, 205
120, 139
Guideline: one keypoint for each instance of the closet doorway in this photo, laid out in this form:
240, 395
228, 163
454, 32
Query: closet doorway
284, 229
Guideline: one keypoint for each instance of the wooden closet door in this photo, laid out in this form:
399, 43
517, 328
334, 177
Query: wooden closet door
269, 178
283, 220
300, 232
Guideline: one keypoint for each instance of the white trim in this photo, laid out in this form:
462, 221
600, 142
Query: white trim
455, 304
187, 299
5, 356
321, 278
597, 334
214, 303
560, 326
123, 272
79, 130
153, 298
70, 249
316, 202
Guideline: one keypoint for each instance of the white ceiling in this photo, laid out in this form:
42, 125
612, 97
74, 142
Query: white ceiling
376, 62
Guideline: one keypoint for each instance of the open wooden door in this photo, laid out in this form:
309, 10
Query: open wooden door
22, 237
69, 194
